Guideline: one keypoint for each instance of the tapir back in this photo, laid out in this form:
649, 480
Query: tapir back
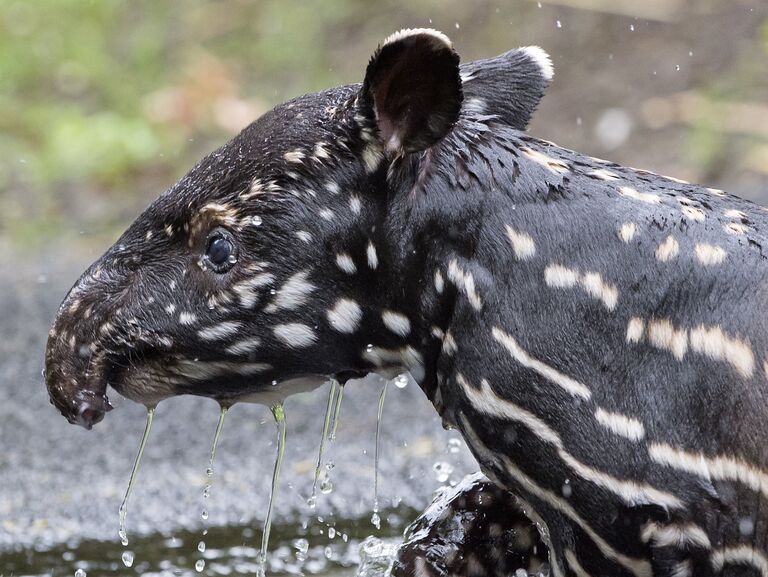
609, 341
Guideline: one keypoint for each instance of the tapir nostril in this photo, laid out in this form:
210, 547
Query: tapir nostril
88, 415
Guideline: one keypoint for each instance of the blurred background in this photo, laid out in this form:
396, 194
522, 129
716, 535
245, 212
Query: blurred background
104, 104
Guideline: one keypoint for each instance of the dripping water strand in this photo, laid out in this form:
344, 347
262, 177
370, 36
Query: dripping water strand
279, 413
200, 564
375, 519
336, 413
329, 412
123, 512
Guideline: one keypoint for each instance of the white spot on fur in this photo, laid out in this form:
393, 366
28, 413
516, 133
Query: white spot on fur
694, 213
734, 213
345, 316
439, 282
295, 335
345, 263
715, 191
326, 214
304, 236
668, 249
648, 197
635, 330
293, 294
627, 232
522, 244
708, 254
551, 164
476, 105
354, 204
662, 334
740, 555
571, 386
373, 259
727, 468
541, 59
170, 309
558, 276
396, 322
735, 228
321, 152
603, 174
680, 536
187, 319
295, 156
372, 157
244, 346
622, 425
219, 331
332, 187
246, 289
465, 282
715, 344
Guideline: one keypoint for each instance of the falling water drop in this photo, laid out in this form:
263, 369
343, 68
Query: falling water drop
123, 512
256, 220
401, 381
200, 565
279, 413
454, 446
375, 518
559, 24
209, 475
81, 573
312, 501
127, 557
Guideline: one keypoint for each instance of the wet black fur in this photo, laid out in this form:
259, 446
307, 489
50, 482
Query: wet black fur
450, 201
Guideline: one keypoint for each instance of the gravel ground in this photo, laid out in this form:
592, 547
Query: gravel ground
62, 484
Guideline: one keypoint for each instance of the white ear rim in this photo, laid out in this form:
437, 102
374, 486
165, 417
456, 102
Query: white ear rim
541, 59
440, 39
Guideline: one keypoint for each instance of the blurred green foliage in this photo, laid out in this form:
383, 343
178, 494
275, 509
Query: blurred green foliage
103, 103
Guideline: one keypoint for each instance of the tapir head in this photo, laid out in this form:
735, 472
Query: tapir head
295, 252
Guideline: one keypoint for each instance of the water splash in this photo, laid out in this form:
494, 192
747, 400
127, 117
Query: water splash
200, 565
123, 512
279, 413
375, 518
329, 412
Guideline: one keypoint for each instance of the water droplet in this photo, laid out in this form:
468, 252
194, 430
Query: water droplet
200, 565
312, 501
690, 53
454, 445
567, 490
232, 259
326, 486
746, 526
273, 292
201, 546
256, 220
457, 25
442, 471
559, 24
204, 515
631, 27
209, 471
677, 67
80, 573
274, 383
302, 546
127, 558
328, 552
330, 465
369, 347
376, 520
401, 381
123, 537
331, 532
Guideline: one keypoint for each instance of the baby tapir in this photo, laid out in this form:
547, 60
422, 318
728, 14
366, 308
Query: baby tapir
595, 332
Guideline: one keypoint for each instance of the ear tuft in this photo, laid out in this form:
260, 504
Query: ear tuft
412, 90
440, 39
542, 60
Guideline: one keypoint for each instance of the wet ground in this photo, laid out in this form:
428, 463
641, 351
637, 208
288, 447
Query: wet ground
61, 486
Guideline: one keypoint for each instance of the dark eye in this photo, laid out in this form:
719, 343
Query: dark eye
220, 253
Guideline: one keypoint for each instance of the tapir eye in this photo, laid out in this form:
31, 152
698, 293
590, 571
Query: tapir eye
221, 253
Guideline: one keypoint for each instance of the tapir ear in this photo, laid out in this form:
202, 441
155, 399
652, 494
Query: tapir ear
412, 90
